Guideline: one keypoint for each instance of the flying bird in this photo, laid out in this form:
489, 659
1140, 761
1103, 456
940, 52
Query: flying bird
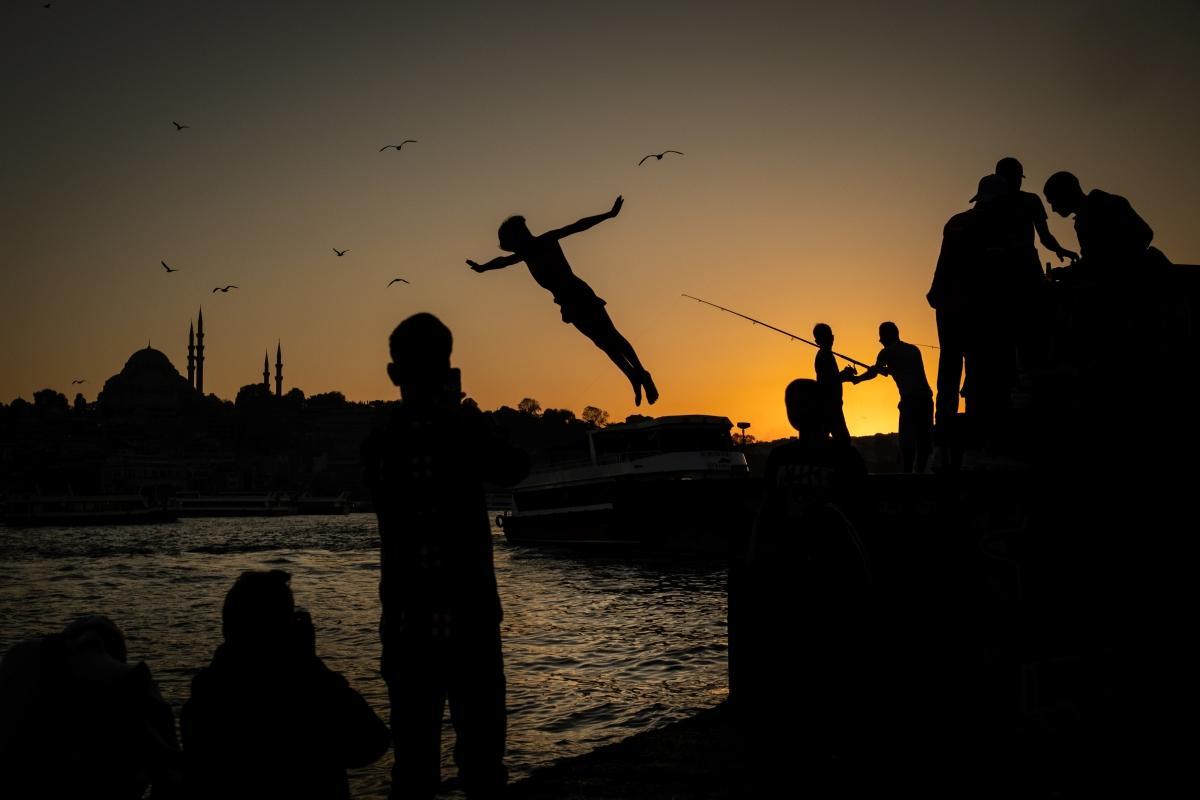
168, 269
393, 280
341, 252
226, 289
179, 127
398, 146
658, 155
81, 380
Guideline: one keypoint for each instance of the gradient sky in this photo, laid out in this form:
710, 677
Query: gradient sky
825, 148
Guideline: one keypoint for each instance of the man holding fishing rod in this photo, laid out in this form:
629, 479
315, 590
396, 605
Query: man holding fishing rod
830, 379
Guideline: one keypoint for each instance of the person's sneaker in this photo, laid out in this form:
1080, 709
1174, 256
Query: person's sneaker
637, 394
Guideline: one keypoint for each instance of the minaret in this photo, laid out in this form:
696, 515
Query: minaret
266, 373
191, 356
200, 352
279, 369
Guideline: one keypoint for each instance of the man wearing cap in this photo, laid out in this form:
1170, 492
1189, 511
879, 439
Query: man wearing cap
1013, 173
972, 293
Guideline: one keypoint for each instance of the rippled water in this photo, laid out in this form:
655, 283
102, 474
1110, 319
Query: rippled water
595, 649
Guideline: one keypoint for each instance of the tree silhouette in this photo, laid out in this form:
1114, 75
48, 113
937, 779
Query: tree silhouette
49, 400
596, 417
529, 406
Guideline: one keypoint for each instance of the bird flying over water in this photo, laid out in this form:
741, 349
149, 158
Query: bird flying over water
168, 269
226, 289
81, 380
658, 155
179, 127
393, 280
341, 252
398, 146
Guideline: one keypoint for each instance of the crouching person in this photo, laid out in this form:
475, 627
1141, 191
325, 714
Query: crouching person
267, 718
78, 720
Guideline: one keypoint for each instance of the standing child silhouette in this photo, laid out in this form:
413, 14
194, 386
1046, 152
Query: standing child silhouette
580, 305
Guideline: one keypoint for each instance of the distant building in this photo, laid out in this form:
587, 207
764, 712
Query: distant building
148, 382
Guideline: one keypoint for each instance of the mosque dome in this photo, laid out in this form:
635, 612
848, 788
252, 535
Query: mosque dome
147, 382
149, 360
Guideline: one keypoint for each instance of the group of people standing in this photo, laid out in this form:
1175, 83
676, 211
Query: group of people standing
993, 318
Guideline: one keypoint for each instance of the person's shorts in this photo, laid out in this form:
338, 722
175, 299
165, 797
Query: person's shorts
582, 308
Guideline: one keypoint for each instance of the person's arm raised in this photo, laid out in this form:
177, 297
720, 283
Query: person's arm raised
586, 222
500, 262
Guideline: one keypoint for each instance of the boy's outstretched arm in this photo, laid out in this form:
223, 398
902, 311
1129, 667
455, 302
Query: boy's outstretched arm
586, 222
499, 262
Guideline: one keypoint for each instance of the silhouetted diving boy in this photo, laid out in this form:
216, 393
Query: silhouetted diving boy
580, 305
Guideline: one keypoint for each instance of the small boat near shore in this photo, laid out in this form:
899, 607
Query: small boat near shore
269, 504
676, 483
82, 510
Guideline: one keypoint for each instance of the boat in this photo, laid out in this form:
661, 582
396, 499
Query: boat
88, 510
269, 504
323, 504
675, 482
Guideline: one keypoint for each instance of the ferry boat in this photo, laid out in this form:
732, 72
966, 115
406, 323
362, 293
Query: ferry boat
76, 510
676, 483
323, 505
270, 504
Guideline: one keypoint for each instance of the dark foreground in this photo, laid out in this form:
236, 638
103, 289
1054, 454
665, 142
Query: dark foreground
694, 758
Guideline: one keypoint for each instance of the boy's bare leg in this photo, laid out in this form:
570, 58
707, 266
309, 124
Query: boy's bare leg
643, 376
604, 335
611, 338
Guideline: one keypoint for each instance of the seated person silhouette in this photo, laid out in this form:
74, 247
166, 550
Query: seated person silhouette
266, 718
426, 466
801, 623
77, 720
902, 361
830, 380
580, 305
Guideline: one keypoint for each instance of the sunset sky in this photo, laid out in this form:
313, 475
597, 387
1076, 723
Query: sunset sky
825, 148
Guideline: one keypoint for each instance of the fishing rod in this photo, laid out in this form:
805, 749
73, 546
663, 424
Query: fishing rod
777, 330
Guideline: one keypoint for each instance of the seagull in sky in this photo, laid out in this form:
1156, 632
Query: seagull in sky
81, 380
393, 280
226, 289
168, 269
398, 146
179, 127
658, 155
341, 252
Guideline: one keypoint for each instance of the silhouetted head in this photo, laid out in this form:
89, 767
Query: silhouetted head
1064, 193
1011, 170
514, 234
990, 187
259, 610
889, 334
803, 399
97, 632
823, 334
420, 347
